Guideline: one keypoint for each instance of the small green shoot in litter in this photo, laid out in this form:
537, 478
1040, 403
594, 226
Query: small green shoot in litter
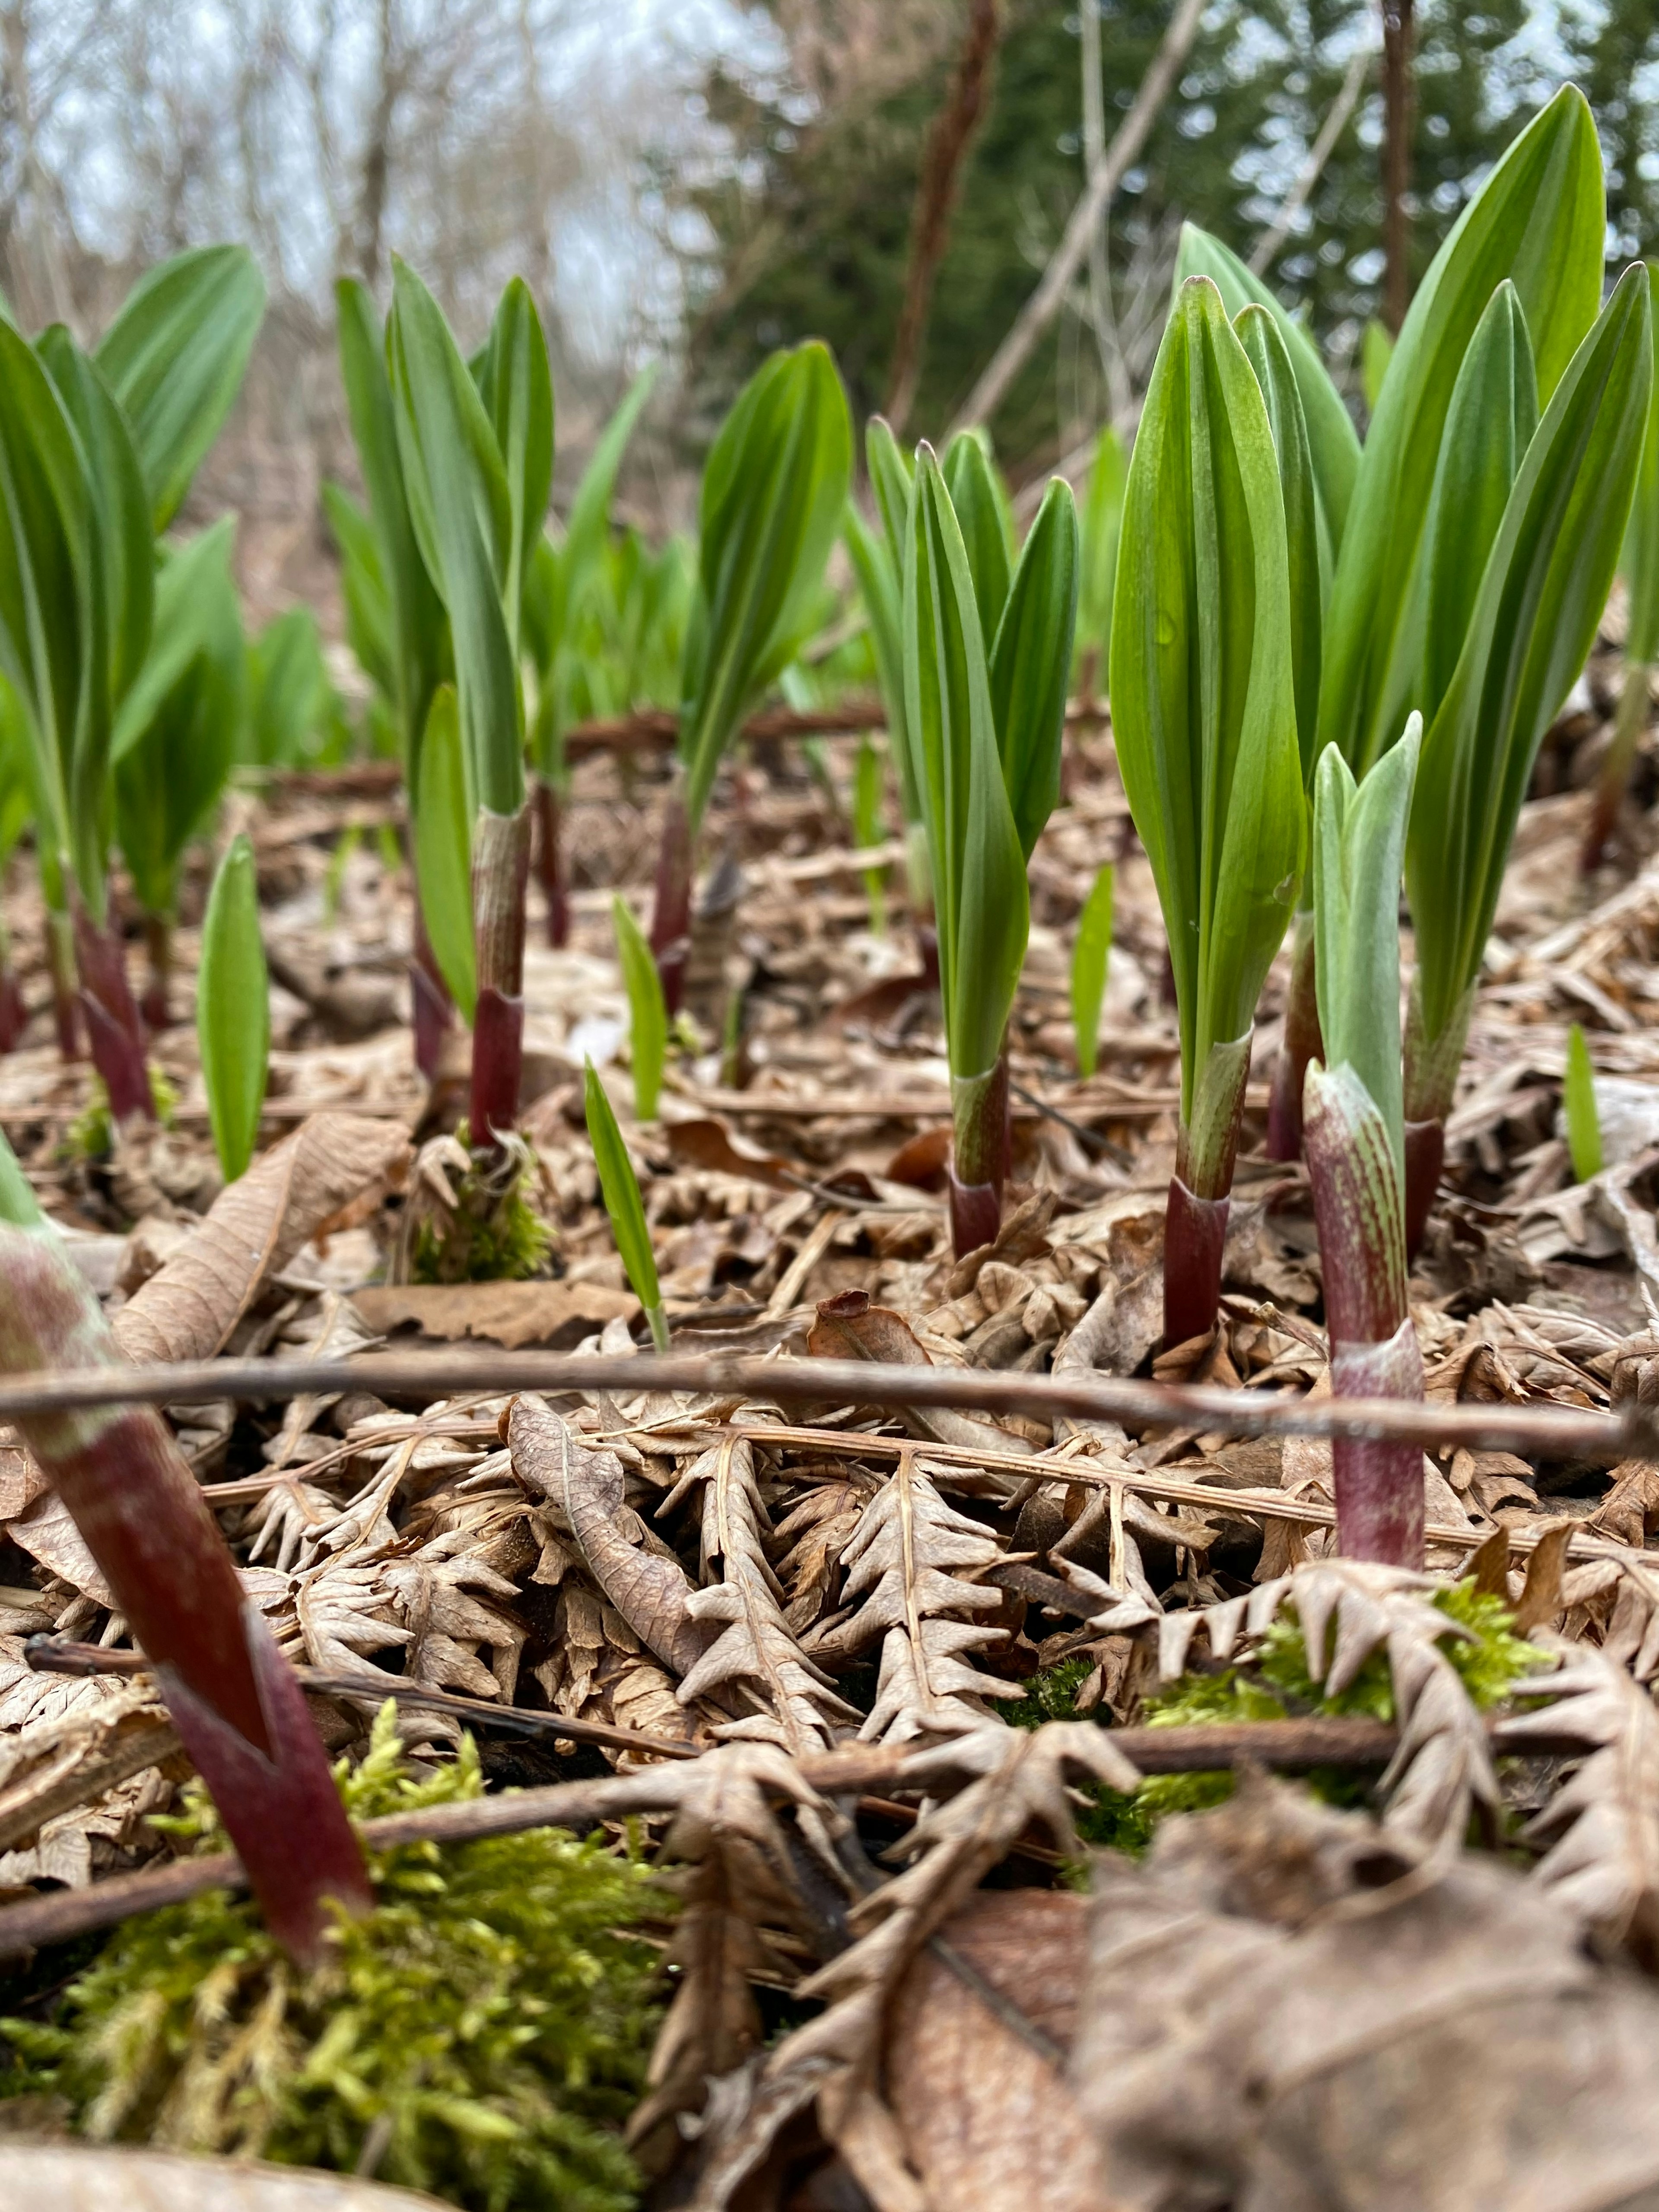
648, 1010
622, 1202
1090, 956
869, 791
232, 1009
1578, 1098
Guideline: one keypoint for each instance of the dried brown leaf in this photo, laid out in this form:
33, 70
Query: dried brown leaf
556, 1314
188, 1310
850, 1327
62, 2177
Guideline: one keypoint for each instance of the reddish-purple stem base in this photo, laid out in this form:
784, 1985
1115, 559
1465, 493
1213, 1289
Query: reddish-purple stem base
927, 946
1425, 1154
1194, 1239
975, 1214
14, 1014
113, 1029
158, 943
497, 1067
550, 865
1379, 1485
671, 913
432, 1011
1302, 1042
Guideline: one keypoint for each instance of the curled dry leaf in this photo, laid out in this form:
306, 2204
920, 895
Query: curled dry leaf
62, 2177
189, 1308
1274, 2019
556, 1314
54, 1764
850, 1327
904, 1561
651, 1593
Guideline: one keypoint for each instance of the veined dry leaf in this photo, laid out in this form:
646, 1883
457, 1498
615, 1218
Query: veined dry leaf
55, 1765
188, 1308
558, 1314
436, 1599
652, 1594
1603, 1825
902, 1560
795, 1704
815, 1530
739, 1882
848, 1327
1274, 2019
707, 1144
65, 2177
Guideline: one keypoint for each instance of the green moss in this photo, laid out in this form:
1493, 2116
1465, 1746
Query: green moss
495, 1235
91, 1135
486, 2029
1490, 1661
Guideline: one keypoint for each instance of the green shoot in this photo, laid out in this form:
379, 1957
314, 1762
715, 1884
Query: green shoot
869, 792
232, 1009
1101, 531
648, 1014
1578, 1100
1376, 352
1638, 564
1089, 956
442, 841
620, 1187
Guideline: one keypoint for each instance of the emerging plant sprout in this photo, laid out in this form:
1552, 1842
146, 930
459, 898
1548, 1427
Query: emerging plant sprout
1640, 567
648, 1015
1204, 710
877, 558
869, 792
232, 1009
984, 732
1101, 529
620, 1188
1356, 1145
1578, 1103
235, 1701
774, 495
1091, 954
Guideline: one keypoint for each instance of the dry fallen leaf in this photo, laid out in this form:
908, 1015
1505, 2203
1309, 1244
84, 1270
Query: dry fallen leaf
558, 1314
61, 2178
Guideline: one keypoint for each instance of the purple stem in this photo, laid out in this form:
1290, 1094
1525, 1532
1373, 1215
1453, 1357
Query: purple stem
500, 875
113, 1029
14, 1014
431, 1007
671, 913
1302, 1043
158, 942
549, 863
65, 993
1194, 1240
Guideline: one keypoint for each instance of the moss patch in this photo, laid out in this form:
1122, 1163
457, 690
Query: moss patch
91, 1134
481, 2035
495, 1235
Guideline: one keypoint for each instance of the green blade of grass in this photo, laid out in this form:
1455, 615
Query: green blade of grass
1031, 661
1578, 1102
622, 1202
648, 1013
232, 1009
1091, 956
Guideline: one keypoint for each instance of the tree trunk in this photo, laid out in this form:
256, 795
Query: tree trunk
1398, 106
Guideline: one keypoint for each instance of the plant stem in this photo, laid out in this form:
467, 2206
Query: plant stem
234, 1699
158, 943
1431, 1065
550, 862
658, 1322
980, 1161
1629, 723
65, 1000
431, 1007
1374, 1350
671, 913
500, 875
113, 1029
1301, 1044
1195, 1219
14, 1014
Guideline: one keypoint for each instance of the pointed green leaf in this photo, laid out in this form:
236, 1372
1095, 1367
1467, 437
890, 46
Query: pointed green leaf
1541, 595
891, 476
1308, 558
1101, 526
232, 1009
516, 386
1376, 352
869, 825
772, 493
1333, 442
1203, 709
1031, 663
986, 525
1538, 220
443, 849
462, 510
587, 534
1639, 562
648, 1013
370, 625
1578, 1102
881, 587
292, 706
621, 1189
1092, 954
175, 358
981, 902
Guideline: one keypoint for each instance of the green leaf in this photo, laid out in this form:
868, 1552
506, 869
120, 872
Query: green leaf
869, 824
1307, 554
1545, 585
370, 625
1376, 352
1091, 956
881, 587
647, 1012
463, 513
419, 647
1102, 525
772, 493
1490, 423
892, 475
291, 702
1359, 843
986, 525
1332, 440
621, 1189
232, 1009
443, 847
1539, 220
1578, 1100
580, 560
1203, 709
176, 736
516, 386
981, 902
175, 358
1640, 560
1031, 663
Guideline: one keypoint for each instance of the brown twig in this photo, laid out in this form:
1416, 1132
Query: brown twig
949, 136
1397, 119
